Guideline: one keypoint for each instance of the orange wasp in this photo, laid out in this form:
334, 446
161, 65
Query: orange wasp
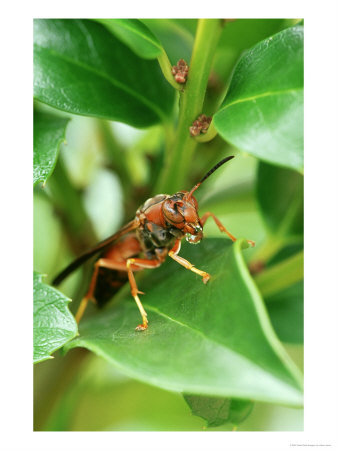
144, 243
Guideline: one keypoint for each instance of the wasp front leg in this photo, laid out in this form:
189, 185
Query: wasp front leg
144, 264
221, 227
173, 253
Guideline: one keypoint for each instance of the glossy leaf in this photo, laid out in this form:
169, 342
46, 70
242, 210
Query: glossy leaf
80, 67
213, 340
218, 411
262, 113
53, 323
280, 197
135, 35
49, 132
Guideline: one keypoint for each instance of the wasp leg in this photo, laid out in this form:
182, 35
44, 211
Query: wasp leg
173, 253
131, 264
102, 262
89, 295
221, 227
144, 264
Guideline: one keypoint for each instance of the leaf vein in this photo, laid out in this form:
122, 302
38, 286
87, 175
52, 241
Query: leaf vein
265, 94
113, 81
214, 341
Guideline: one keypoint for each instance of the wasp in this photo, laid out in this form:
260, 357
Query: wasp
144, 243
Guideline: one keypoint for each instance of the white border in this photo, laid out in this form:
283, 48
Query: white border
320, 225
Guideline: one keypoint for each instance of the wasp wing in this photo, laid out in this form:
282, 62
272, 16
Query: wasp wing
98, 248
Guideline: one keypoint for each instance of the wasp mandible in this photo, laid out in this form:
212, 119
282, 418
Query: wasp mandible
144, 243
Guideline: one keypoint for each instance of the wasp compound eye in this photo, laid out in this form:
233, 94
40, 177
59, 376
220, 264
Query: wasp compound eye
171, 213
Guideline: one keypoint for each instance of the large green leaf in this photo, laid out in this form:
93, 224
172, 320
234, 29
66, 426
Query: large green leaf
218, 411
280, 197
80, 67
210, 340
135, 35
53, 323
262, 113
49, 132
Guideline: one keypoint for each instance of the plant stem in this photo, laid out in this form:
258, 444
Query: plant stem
281, 276
166, 67
211, 133
179, 158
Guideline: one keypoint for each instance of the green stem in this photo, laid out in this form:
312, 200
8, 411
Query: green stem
166, 67
211, 133
180, 157
281, 276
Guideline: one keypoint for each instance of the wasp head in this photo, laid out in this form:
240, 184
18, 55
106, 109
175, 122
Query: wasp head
182, 213
181, 209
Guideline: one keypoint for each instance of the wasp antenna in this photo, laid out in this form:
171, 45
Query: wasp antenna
220, 163
223, 161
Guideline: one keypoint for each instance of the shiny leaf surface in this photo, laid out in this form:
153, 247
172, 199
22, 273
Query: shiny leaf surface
53, 323
210, 340
49, 132
80, 67
262, 113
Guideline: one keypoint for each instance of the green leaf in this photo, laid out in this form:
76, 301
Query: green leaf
136, 35
49, 132
213, 340
80, 67
262, 113
280, 197
286, 313
218, 411
53, 323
